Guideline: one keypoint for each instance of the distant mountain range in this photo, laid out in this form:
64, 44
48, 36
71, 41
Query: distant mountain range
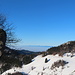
34, 48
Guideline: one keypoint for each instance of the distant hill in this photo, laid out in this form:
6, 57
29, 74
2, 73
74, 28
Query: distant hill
63, 48
26, 52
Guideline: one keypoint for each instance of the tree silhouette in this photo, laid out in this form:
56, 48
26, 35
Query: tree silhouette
9, 30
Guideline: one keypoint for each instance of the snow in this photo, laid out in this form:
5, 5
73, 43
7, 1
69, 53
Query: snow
39, 67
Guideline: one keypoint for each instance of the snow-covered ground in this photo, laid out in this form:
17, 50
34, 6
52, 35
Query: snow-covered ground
39, 67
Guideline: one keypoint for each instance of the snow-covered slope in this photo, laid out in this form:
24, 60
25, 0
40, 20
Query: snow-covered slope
39, 67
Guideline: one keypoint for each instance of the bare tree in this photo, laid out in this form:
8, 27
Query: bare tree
11, 39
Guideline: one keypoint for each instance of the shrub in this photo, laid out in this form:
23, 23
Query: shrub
58, 64
17, 73
27, 59
44, 54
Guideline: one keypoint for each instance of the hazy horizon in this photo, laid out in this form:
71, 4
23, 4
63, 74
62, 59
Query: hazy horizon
35, 48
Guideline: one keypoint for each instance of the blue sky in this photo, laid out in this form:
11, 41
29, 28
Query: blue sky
41, 22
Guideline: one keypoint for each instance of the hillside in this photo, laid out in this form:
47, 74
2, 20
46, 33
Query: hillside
63, 48
60, 61
15, 58
52, 67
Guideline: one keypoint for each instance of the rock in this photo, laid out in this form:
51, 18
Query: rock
0, 53
3, 36
2, 40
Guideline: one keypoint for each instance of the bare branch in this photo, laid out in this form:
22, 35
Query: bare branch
9, 30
